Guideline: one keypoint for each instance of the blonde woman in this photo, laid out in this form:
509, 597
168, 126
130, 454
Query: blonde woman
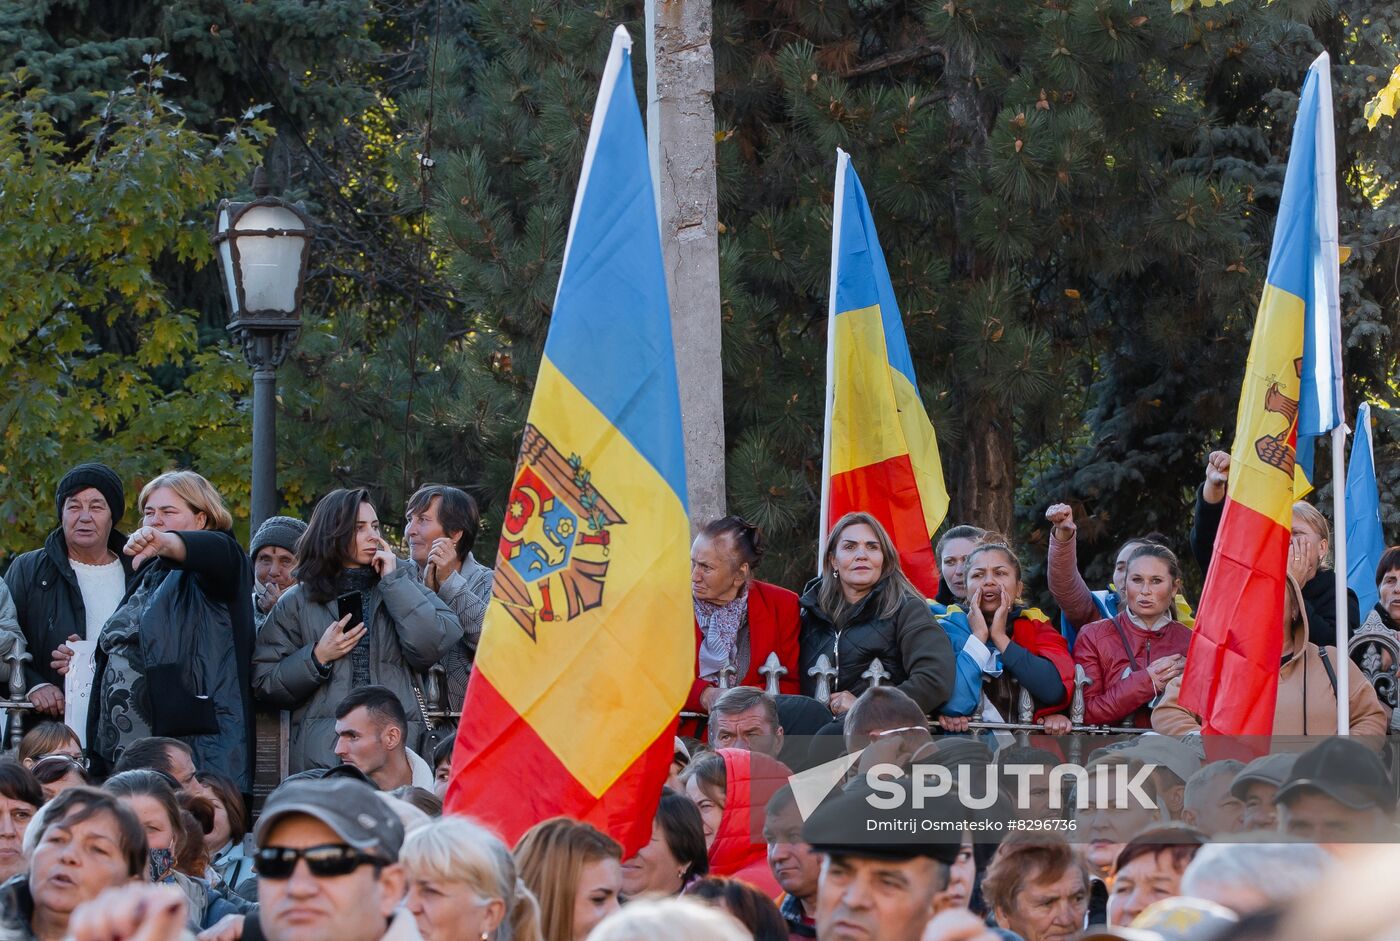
462, 885
863, 608
575, 871
175, 658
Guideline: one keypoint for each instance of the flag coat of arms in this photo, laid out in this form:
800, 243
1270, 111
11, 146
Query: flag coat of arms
881, 455
1231, 676
587, 649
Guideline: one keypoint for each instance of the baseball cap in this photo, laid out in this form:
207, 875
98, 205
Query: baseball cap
1270, 769
1346, 771
350, 808
1161, 750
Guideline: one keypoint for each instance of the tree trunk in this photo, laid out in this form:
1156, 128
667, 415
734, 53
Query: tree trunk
985, 492
681, 138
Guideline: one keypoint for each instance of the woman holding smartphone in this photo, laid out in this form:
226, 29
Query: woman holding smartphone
355, 618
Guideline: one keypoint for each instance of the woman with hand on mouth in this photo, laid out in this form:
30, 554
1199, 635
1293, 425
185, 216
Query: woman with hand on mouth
85, 842
999, 637
1131, 657
862, 608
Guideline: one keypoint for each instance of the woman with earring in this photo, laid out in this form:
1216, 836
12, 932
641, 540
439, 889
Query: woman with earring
862, 608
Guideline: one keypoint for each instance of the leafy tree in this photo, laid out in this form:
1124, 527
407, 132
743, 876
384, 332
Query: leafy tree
88, 219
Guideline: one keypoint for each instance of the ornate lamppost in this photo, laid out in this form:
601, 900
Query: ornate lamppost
263, 250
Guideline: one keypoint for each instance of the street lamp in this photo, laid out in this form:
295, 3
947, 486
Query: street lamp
263, 249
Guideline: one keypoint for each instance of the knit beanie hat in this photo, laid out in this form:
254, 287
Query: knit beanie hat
280, 531
102, 479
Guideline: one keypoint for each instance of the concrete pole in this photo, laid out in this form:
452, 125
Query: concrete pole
681, 139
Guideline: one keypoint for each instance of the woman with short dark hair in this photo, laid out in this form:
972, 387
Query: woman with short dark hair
676, 855
82, 825
1386, 613
750, 907
20, 799
309, 656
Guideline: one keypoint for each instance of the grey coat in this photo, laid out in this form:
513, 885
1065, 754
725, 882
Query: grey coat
410, 629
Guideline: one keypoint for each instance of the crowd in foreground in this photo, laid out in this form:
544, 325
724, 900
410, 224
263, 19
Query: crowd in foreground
157, 648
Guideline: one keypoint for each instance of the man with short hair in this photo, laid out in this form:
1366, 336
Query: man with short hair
273, 550
370, 733
1338, 792
1209, 805
69, 588
877, 883
1037, 887
1256, 786
327, 861
747, 718
796, 866
168, 756
441, 530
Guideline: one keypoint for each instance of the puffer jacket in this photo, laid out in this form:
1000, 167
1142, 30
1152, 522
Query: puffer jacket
49, 603
750, 780
1307, 699
1112, 698
410, 629
911, 646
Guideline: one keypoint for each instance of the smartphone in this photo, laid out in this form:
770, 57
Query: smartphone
353, 604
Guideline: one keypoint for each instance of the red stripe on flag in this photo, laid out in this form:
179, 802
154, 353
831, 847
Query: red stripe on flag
889, 491
504, 775
1231, 678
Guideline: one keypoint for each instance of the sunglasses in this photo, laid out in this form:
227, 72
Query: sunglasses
57, 756
329, 860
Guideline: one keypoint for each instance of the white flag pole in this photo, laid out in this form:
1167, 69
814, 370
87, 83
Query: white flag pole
838, 206
1339, 571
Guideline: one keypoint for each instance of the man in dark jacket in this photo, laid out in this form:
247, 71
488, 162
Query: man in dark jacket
67, 589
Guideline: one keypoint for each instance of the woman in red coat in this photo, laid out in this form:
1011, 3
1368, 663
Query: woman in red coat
1131, 657
731, 787
739, 621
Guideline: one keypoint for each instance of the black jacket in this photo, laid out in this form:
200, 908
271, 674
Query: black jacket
49, 602
911, 646
1319, 594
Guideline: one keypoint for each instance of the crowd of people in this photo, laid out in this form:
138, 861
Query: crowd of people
127, 810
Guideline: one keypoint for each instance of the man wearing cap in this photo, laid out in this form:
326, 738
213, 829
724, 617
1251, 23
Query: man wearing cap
1337, 792
880, 878
69, 588
327, 863
274, 554
1256, 786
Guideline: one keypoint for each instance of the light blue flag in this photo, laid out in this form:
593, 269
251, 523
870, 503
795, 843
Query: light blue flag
1365, 538
1314, 266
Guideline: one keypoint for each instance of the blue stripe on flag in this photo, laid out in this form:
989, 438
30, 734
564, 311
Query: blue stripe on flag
611, 330
1365, 537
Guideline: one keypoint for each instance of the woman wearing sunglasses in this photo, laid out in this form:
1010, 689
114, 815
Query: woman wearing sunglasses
49, 738
58, 773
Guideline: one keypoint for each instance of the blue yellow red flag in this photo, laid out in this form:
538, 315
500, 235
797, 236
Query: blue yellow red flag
880, 455
1231, 677
588, 647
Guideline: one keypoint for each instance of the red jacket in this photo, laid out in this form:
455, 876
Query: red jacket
773, 627
1110, 698
738, 850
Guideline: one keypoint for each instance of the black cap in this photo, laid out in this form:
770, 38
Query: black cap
848, 824
101, 478
352, 809
1346, 771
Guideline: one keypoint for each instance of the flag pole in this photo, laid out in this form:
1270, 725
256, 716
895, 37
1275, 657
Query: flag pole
1339, 572
838, 203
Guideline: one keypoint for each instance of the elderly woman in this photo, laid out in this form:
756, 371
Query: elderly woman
999, 637
462, 885
862, 608
174, 658
1386, 613
739, 620
1131, 657
85, 842
314, 650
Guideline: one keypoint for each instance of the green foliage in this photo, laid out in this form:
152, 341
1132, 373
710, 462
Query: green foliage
87, 220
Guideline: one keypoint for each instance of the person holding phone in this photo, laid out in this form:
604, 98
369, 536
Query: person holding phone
356, 617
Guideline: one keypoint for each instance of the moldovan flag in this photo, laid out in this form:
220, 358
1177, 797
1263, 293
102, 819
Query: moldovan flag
880, 456
1231, 677
588, 647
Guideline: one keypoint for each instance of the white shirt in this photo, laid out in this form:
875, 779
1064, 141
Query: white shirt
102, 587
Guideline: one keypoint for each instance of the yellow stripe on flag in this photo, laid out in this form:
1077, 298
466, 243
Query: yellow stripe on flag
611, 658
1262, 460
923, 450
863, 429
